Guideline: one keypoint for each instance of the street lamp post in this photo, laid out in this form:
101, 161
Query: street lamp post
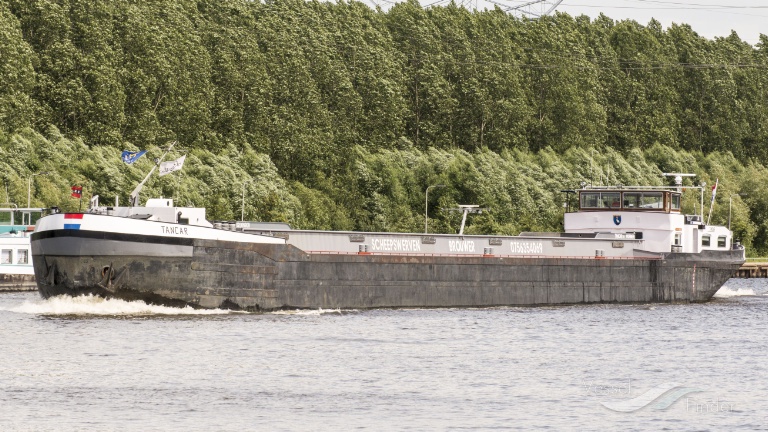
29, 186
426, 204
242, 209
730, 199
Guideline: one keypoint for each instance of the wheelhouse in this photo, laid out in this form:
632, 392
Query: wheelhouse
650, 213
664, 201
18, 219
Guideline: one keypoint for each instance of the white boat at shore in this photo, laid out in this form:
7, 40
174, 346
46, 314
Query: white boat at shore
16, 270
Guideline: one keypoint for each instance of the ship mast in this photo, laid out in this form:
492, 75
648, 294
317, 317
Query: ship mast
465, 210
134, 199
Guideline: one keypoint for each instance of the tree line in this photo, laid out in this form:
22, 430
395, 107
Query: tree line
336, 115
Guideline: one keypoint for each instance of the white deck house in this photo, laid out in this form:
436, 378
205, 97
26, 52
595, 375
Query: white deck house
645, 213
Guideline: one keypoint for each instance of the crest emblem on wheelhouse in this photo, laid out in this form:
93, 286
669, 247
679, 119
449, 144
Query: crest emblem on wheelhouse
617, 219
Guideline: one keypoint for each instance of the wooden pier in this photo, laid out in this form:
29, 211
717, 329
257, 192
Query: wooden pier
753, 268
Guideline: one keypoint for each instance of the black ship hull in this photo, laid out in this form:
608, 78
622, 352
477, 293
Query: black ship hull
256, 276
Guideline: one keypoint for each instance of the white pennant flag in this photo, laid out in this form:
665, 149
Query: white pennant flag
171, 166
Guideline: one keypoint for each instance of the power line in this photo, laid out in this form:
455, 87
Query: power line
699, 4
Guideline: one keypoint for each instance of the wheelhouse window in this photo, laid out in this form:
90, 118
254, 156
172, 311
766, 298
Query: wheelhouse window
721, 241
590, 199
705, 240
601, 200
611, 199
675, 201
5, 256
632, 199
23, 256
652, 200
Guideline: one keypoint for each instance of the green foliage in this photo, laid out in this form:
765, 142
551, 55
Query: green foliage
305, 82
17, 72
336, 116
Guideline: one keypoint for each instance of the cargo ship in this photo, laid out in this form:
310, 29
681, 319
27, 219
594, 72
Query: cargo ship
620, 245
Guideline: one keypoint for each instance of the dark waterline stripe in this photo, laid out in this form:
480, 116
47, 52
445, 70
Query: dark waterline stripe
101, 235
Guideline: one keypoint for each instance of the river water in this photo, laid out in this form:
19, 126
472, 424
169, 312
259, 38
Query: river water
88, 364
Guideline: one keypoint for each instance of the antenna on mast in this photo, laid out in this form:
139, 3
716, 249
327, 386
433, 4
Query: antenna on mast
678, 178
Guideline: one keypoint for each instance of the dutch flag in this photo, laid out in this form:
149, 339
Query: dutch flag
72, 217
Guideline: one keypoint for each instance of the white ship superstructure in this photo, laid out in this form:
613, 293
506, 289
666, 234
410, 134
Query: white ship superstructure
16, 270
651, 214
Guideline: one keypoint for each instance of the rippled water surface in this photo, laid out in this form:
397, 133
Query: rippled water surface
88, 364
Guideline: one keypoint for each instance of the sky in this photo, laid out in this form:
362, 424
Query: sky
708, 18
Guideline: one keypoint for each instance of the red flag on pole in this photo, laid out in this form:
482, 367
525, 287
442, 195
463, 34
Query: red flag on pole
77, 191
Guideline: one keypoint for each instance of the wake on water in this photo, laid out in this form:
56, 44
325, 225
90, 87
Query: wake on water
95, 305
98, 306
738, 287
727, 292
